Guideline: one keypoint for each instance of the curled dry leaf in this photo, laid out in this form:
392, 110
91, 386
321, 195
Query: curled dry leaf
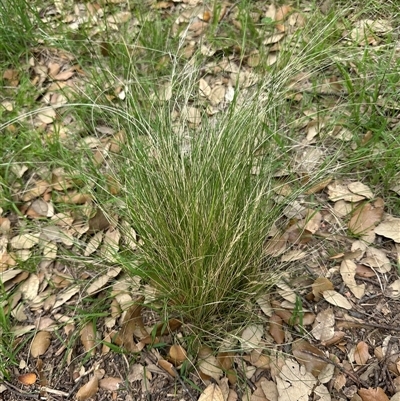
377, 259
132, 321
265, 305
110, 383
337, 191
286, 292
210, 367
251, 337
30, 287
40, 208
323, 329
103, 280
40, 343
389, 228
348, 272
27, 379
306, 354
320, 285
88, 337
24, 241
167, 366
393, 290
360, 189
177, 354
276, 329
365, 218
361, 354
336, 299
294, 382
88, 390
65, 296
372, 394
38, 189
211, 393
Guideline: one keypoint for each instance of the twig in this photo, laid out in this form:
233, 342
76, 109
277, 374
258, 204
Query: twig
376, 325
19, 392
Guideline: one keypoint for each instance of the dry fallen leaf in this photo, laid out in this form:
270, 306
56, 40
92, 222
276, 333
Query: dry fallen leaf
208, 363
389, 228
27, 379
377, 259
365, 218
372, 394
361, 354
294, 382
251, 336
88, 390
323, 328
360, 189
269, 388
337, 191
167, 366
320, 285
211, 393
110, 383
306, 354
24, 241
177, 354
40, 343
276, 329
336, 299
348, 272
132, 321
88, 337
393, 290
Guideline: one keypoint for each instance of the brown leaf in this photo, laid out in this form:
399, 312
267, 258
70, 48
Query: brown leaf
88, 337
307, 355
373, 394
88, 390
98, 222
275, 329
389, 228
27, 379
167, 366
323, 327
282, 12
225, 360
365, 218
132, 321
40, 343
171, 326
209, 366
65, 75
364, 271
336, 299
211, 393
110, 383
177, 354
361, 354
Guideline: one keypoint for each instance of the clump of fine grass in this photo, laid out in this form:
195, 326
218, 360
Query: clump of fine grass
200, 194
200, 211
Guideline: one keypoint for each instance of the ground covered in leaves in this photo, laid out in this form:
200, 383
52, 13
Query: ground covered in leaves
82, 329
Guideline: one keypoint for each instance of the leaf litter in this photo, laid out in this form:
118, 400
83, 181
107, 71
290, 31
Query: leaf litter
340, 286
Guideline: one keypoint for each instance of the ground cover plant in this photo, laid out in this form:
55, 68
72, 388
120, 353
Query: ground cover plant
199, 200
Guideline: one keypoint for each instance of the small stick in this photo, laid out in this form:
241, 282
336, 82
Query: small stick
16, 390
